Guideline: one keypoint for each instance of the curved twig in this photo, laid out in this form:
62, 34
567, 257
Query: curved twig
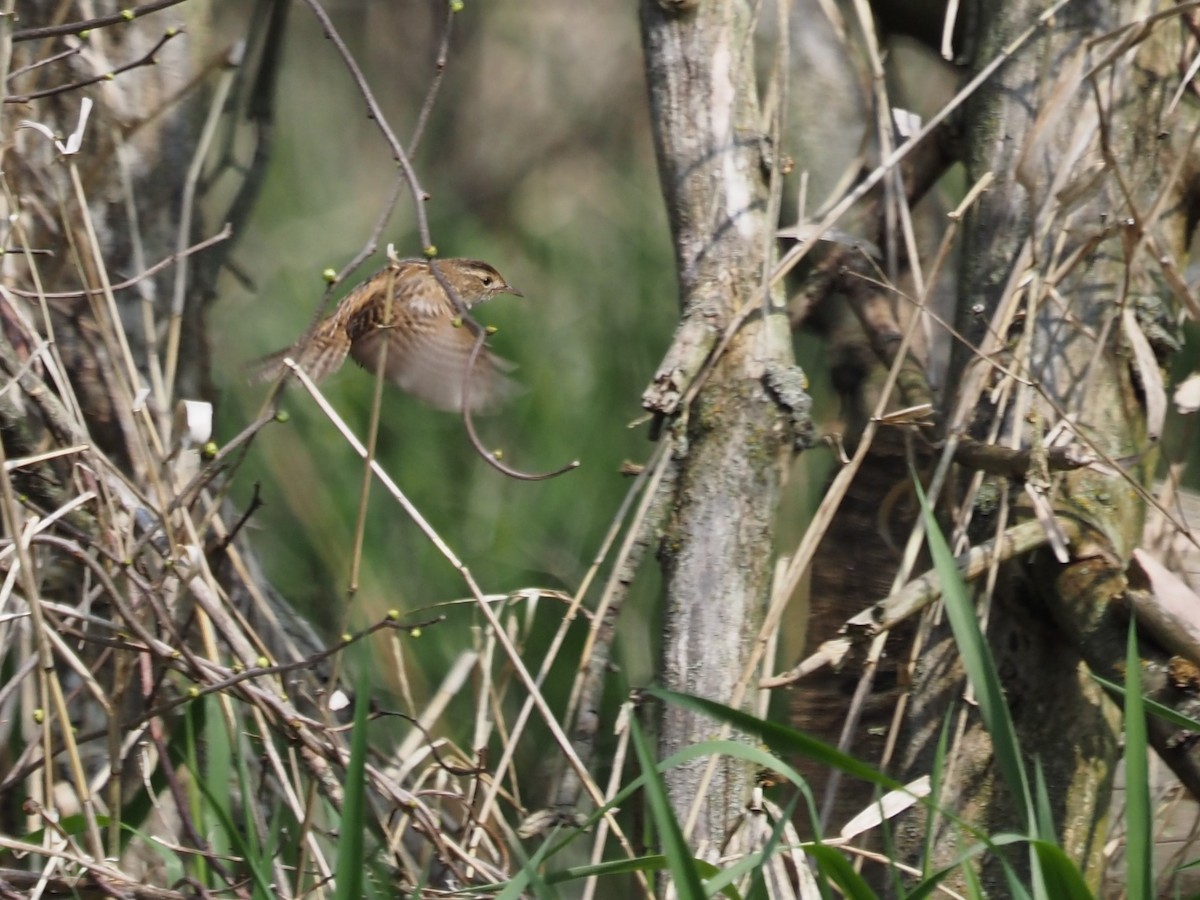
430, 740
483, 451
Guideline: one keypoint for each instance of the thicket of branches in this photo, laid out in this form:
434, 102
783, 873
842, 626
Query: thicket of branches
996, 274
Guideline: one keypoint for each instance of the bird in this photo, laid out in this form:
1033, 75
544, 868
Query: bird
428, 347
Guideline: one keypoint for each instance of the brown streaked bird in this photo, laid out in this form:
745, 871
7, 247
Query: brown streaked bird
428, 347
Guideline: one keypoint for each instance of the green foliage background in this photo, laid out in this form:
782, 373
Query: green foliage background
538, 159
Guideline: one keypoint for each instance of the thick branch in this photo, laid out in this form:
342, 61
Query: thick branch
716, 552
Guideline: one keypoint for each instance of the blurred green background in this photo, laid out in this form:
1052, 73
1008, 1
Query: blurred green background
538, 159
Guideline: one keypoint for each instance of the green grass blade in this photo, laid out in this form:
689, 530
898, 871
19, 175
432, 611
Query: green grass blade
1138, 815
352, 828
1016, 888
219, 746
196, 798
73, 826
529, 876
251, 847
736, 749
1153, 707
679, 856
979, 664
652, 863
935, 788
758, 882
260, 874
931, 882
1062, 877
513, 889
783, 740
836, 868
974, 888
1045, 816
516, 886
780, 738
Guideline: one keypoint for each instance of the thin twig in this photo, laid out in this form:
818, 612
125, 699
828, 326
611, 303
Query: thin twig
439, 74
190, 184
147, 60
375, 113
121, 18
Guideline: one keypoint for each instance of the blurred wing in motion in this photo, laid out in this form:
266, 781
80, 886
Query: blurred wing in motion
427, 358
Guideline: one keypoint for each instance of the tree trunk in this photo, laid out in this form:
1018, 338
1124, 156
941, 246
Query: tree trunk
730, 445
1065, 258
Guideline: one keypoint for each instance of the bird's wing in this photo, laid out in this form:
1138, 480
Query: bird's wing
427, 357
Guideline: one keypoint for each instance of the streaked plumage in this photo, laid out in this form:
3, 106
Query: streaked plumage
427, 354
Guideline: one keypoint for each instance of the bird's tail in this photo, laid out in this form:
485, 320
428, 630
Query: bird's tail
319, 356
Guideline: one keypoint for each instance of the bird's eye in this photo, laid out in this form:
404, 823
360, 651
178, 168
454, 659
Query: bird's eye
487, 280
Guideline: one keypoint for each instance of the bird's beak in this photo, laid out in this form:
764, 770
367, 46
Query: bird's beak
509, 289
